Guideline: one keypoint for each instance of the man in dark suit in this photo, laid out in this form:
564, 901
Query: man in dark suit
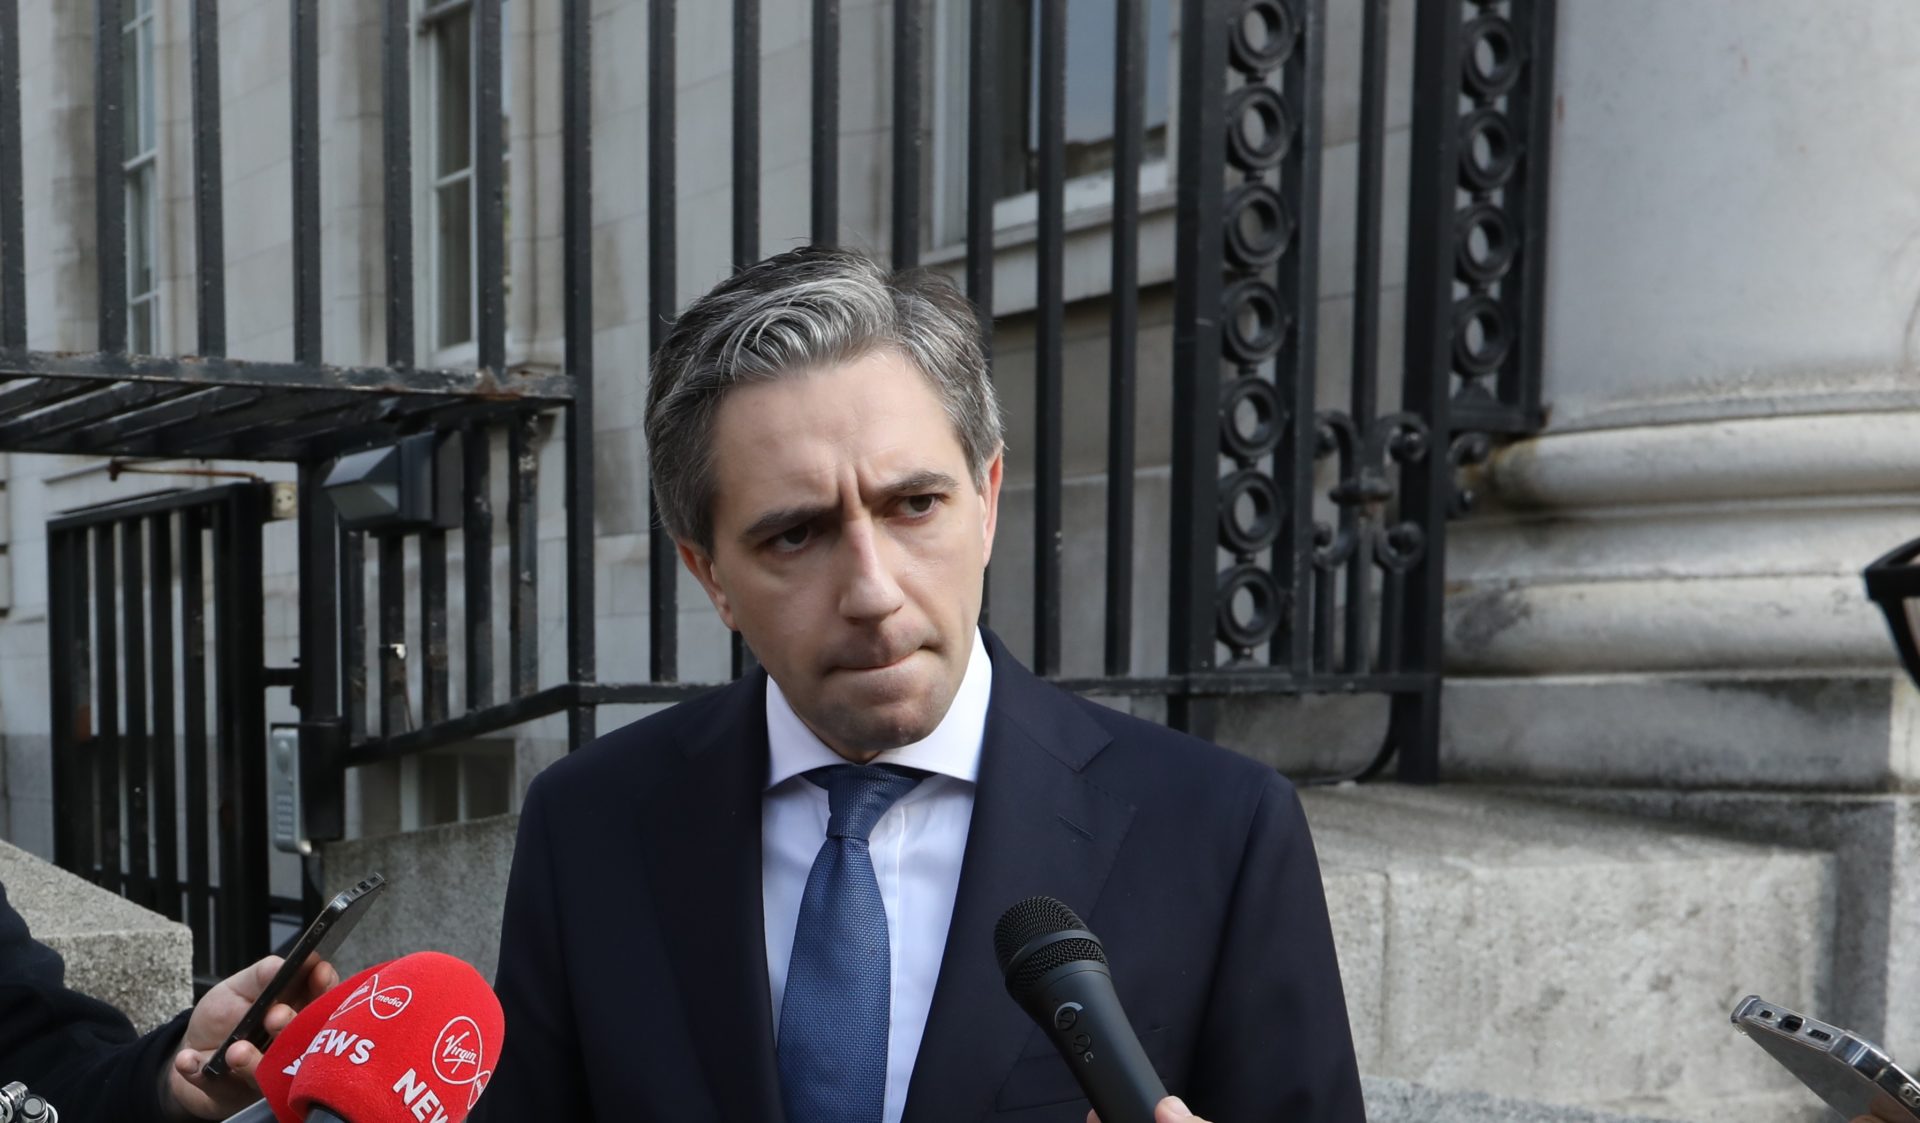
777, 900
85, 1059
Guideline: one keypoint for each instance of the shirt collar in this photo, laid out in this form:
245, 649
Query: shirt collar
952, 749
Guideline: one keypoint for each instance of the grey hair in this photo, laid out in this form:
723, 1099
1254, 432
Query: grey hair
791, 313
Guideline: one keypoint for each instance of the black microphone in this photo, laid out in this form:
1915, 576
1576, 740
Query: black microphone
1057, 971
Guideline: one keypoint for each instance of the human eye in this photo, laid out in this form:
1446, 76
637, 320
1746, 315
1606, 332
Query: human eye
791, 540
919, 506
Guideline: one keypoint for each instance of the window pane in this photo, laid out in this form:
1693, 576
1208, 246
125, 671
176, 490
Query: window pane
140, 328
454, 233
1090, 93
146, 114
140, 232
439, 789
489, 784
454, 95
129, 95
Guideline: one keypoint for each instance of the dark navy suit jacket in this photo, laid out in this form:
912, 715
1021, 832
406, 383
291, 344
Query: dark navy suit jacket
633, 965
81, 1054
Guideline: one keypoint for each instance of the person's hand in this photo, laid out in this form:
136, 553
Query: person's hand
1170, 1110
188, 1095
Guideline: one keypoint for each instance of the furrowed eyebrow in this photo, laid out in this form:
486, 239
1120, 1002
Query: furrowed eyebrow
917, 483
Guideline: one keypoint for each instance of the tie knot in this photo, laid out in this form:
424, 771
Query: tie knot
858, 794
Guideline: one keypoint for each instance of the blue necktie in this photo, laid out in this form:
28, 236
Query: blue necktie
834, 1016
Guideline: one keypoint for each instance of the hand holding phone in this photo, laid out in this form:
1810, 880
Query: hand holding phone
321, 939
1850, 1073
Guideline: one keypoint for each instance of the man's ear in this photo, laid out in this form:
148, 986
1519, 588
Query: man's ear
990, 502
701, 566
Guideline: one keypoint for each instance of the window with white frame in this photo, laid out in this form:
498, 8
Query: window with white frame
140, 154
1015, 59
449, 43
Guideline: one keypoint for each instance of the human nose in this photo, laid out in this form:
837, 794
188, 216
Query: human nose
868, 591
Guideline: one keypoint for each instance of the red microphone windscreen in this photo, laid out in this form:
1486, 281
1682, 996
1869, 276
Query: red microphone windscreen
282, 1059
418, 1047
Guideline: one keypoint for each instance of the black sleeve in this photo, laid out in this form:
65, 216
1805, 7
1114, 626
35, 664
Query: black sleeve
539, 1075
1275, 1044
78, 1052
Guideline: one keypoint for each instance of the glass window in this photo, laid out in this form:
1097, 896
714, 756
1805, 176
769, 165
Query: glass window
451, 304
140, 154
1090, 94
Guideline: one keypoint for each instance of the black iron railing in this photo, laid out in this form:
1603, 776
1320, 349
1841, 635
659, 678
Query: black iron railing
1307, 538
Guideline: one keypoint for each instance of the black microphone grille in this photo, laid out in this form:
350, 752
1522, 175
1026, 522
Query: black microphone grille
1028, 921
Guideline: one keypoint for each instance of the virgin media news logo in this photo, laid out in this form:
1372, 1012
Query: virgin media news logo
458, 1054
386, 1003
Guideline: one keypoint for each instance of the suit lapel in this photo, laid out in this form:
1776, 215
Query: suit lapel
702, 851
1038, 827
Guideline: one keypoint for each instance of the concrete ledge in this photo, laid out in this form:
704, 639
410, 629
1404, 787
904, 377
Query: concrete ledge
1396, 1101
116, 951
447, 889
1829, 732
1512, 946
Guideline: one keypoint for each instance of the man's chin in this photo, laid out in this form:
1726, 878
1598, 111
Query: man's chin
866, 731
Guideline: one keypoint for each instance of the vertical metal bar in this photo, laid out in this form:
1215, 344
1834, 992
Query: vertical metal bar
746, 132
319, 597
476, 525
106, 654
434, 670
193, 729
1129, 115
662, 573
353, 632
1049, 357
71, 717
983, 159
396, 136
523, 558
576, 177
13, 259
1426, 485
109, 177
1298, 282
394, 706
489, 223
240, 630
1324, 582
208, 208
983, 172
1393, 600
1366, 307
166, 794
1523, 291
826, 122
133, 631
909, 33
1201, 175
306, 180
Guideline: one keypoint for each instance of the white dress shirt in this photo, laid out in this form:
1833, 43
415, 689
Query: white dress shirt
916, 846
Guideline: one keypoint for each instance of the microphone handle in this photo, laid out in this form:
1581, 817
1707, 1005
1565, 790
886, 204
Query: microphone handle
318, 1114
255, 1112
1076, 1005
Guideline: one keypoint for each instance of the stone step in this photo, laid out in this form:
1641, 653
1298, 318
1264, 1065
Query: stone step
1500, 944
116, 951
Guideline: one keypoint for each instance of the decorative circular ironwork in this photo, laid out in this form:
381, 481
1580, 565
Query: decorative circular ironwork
1250, 511
1259, 226
1400, 546
1488, 151
1262, 37
1256, 324
1480, 339
1252, 418
1485, 244
1249, 607
1489, 56
1259, 128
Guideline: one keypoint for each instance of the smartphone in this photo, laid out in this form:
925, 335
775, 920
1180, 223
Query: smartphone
1852, 1074
321, 939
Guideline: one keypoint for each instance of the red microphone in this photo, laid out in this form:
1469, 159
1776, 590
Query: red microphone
411, 1041
281, 1061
